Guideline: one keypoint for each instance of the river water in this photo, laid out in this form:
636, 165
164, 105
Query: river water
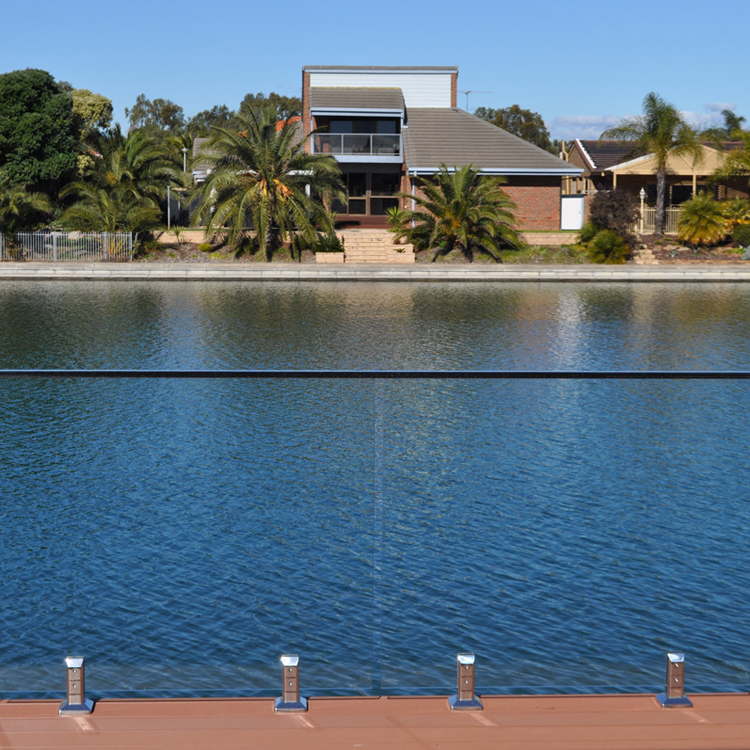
183, 534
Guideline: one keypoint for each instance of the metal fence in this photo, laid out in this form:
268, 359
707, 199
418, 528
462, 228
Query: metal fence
66, 246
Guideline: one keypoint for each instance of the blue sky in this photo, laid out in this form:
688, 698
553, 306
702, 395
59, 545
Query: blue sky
580, 65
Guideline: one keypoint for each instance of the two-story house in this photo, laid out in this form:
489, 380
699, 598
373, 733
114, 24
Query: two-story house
388, 126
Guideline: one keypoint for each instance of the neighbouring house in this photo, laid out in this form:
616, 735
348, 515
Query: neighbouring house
609, 165
389, 126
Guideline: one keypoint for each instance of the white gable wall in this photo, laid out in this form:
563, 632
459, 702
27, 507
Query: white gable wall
421, 88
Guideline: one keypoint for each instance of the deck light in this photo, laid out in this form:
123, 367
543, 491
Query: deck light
76, 702
464, 699
290, 700
674, 695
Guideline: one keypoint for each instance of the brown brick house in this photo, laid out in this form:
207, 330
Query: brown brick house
615, 164
389, 126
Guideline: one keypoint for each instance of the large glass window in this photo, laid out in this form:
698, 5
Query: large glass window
370, 193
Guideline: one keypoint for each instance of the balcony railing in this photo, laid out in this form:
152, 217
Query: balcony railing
357, 144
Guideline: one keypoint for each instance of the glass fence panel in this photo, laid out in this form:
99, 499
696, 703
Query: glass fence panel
357, 143
386, 145
182, 535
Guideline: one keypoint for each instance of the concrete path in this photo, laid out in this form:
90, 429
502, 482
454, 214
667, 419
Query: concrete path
625, 722
366, 272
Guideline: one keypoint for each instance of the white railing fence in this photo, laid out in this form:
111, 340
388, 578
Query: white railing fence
67, 246
649, 220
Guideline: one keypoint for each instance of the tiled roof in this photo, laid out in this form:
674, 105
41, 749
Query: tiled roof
601, 155
356, 98
605, 154
454, 137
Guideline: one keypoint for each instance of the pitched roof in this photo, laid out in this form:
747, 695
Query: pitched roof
605, 154
613, 156
356, 98
454, 137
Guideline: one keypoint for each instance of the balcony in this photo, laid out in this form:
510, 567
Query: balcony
354, 147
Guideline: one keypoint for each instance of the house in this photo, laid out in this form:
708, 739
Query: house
389, 126
608, 165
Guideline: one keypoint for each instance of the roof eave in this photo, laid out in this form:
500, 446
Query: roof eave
510, 171
364, 111
586, 155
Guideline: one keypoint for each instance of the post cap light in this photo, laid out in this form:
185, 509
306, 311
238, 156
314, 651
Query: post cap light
76, 702
464, 699
674, 694
290, 700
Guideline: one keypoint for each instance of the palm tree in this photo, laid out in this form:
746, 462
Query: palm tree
736, 161
460, 209
101, 208
662, 132
148, 164
263, 172
20, 210
732, 128
124, 186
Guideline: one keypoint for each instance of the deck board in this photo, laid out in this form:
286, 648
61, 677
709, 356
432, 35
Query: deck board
605, 722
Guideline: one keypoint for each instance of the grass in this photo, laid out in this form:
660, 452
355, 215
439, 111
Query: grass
565, 255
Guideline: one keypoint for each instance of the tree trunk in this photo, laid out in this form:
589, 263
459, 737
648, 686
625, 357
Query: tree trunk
661, 201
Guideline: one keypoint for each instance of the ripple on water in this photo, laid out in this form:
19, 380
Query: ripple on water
567, 532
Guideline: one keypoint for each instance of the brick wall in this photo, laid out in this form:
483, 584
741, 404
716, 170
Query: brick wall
454, 89
306, 108
576, 159
537, 200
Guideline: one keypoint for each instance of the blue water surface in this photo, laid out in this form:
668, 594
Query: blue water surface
183, 534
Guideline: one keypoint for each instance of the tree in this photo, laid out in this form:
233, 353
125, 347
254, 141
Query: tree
20, 210
93, 110
737, 160
158, 116
521, 122
732, 127
662, 132
39, 132
263, 172
461, 210
124, 188
616, 210
285, 107
219, 116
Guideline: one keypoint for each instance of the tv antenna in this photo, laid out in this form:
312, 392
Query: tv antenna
472, 91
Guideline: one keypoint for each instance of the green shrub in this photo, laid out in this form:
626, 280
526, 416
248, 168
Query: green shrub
205, 247
329, 243
702, 221
608, 247
737, 210
588, 231
741, 235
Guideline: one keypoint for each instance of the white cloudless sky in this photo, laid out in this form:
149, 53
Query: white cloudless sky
581, 65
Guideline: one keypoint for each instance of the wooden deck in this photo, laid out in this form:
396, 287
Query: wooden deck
622, 722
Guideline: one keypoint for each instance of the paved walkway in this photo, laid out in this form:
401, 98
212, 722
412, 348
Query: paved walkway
369, 272
634, 722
